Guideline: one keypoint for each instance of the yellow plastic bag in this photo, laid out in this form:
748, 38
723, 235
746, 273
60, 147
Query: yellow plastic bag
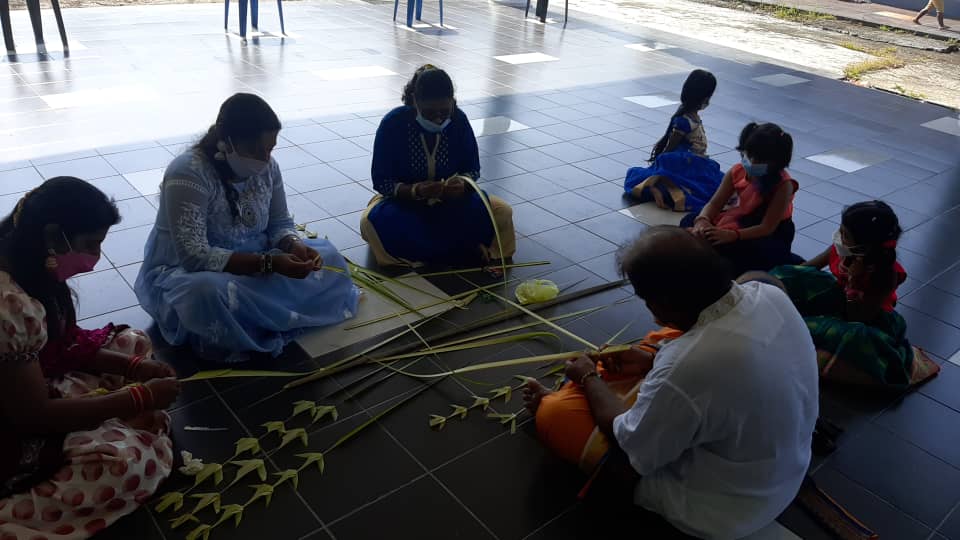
534, 291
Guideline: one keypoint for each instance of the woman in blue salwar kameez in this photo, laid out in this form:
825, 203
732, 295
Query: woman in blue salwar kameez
424, 211
224, 269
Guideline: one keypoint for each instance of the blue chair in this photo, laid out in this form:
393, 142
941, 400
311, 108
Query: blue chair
254, 16
410, 9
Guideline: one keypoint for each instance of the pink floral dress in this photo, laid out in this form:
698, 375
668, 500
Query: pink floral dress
70, 486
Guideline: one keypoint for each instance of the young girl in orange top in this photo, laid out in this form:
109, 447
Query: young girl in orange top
749, 218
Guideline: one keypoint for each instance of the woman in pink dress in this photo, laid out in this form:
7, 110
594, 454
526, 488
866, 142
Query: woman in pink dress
83, 436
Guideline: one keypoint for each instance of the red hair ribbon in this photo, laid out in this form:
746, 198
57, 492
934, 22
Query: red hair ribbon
889, 244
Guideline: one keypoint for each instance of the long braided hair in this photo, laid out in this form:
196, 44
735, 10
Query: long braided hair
77, 208
243, 119
697, 89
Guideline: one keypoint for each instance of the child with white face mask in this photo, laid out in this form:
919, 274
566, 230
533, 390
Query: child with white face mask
749, 218
850, 310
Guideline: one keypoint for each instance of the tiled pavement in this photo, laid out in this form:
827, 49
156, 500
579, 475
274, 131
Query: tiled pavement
142, 81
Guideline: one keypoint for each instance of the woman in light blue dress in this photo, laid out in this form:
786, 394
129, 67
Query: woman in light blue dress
224, 268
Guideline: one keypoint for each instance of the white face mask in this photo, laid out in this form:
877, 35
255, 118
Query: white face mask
844, 250
244, 167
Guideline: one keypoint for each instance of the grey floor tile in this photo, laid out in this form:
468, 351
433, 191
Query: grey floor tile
874, 459
877, 514
574, 243
102, 292
314, 177
571, 206
19, 180
530, 219
86, 168
140, 160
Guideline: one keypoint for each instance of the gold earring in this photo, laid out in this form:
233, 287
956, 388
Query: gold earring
51, 259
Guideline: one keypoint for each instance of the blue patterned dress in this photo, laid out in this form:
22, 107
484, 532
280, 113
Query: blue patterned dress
690, 178
184, 287
445, 233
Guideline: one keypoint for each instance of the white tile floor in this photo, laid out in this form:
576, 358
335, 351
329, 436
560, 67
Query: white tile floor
652, 101
781, 79
526, 58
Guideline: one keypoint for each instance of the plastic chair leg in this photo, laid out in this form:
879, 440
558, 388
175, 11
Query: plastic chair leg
59, 17
410, 7
255, 14
526, 12
441, 12
566, 12
283, 29
226, 15
7, 26
243, 19
419, 9
396, 7
33, 6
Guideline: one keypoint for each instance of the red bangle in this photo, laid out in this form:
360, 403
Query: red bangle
137, 398
132, 366
149, 403
738, 234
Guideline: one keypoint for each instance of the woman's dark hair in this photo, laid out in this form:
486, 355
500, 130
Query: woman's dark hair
428, 83
697, 89
243, 118
78, 208
874, 230
770, 144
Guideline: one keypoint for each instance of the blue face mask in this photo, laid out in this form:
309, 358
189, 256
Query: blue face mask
431, 127
755, 171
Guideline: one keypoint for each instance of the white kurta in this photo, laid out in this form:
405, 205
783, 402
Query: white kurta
721, 429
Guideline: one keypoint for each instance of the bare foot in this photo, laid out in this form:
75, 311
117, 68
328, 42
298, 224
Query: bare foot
916, 21
533, 392
944, 27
